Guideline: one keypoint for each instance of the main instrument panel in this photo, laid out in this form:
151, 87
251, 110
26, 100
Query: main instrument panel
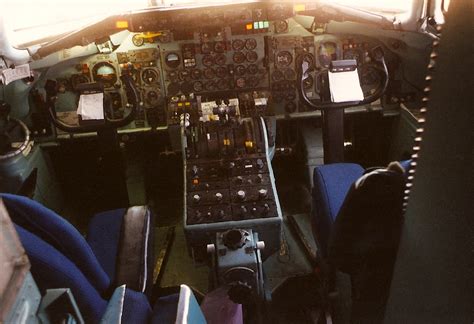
182, 58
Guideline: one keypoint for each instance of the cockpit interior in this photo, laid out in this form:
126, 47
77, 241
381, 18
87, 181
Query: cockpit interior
237, 162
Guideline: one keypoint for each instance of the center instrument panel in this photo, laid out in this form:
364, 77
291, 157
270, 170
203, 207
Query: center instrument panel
180, 58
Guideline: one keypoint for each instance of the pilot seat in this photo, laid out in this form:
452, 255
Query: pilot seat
357, 216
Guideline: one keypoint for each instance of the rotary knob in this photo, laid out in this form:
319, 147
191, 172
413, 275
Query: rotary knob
243, 211
260, 164
262, 193
241, 195
196, 199
259, 178
219, 197
194, 170
266, 209
239, 180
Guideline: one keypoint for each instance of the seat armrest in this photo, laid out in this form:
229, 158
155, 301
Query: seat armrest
133, 252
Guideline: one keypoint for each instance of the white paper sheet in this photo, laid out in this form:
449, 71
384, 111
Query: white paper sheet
345, 86
19, 72
91, 106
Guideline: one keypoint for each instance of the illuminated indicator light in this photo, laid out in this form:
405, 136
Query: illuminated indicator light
266, 24
299, 7
248, 144
249, 26
187, 103
255, 25
121, 24
180, 104
196, 181
260, 24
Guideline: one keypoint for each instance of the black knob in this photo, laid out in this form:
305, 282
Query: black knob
239, 180
196, 199
241, 195
194, 170
243, 210
259, 178
260, 164
220, 214
219, 196
262, 193
266, 209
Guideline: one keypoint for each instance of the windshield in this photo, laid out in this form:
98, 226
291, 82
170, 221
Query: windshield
33, 21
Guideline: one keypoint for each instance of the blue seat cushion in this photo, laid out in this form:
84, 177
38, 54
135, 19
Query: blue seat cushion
136, 308
51, 269
331, 184
103, 237
60, 234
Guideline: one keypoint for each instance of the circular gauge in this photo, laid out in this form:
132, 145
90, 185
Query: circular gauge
207, 60
172, 60
196, 74
184, 75
238, 57
353, 54
277, 96
173, 76
206, 48
252, 69
198, 86
150, 76
251, 56
310, 59
221, 72
326, 53
308, 82
290, 96
77, 79
173, 89
281, 26
209, 73
222, 84
290, 107
220, 59
138, 40
283, 58
186, 88
252, 82
209, 86
240, 70
250, 44
240, 83
238, 45
290, 74
152, 97
105, 72
277, 76
219, 47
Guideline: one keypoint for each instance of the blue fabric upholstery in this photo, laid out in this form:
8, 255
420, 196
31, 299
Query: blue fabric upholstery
60, 234
331, 184
165, 309
51, 269
136, 308
103, 237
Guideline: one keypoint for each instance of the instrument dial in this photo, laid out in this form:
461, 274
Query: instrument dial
172, 60
277, 76
240, 83
240, 70
251, 56
184, 75
238, 57
152, 97
220, 59
250, 44
281, 26
150, 76
222, 84
327, 52
198, 86
105, 72
206, 48
284, 58
238, 45
252, 69
290, 74
207, 60
209, 86
209, 73
221, 72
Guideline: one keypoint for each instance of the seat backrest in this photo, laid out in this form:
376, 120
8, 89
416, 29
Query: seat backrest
58, 233
51, 269
365, 237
